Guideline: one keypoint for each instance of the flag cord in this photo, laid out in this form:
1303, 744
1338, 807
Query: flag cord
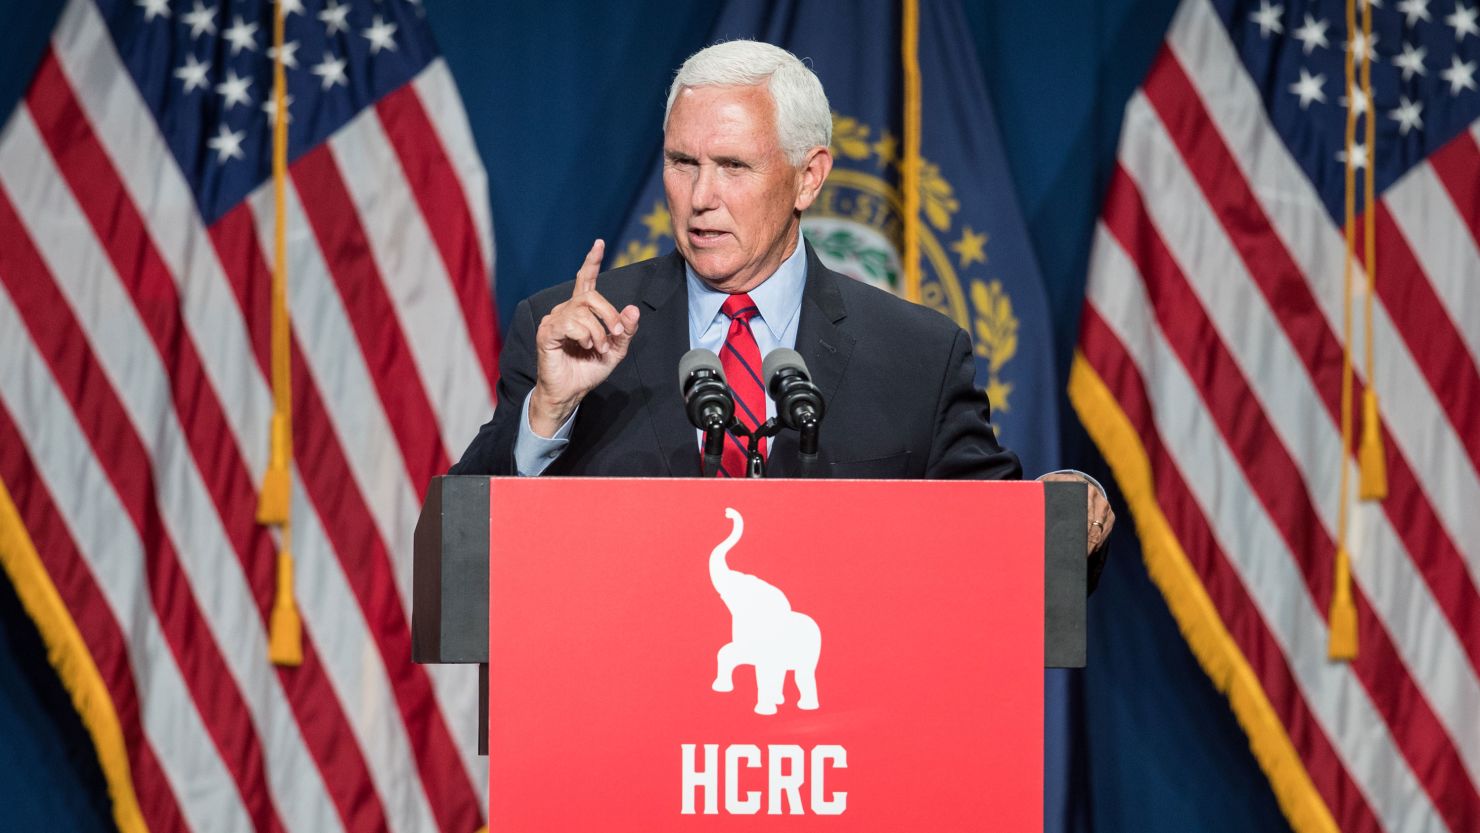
1342, 639
1370, 456
909, 172
285, 629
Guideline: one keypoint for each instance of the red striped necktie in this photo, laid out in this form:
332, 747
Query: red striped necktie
741, 359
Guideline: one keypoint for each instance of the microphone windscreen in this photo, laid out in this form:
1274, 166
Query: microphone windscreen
780, 359
698, 359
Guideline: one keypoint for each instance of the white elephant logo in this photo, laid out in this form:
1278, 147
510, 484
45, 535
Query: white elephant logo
766, 633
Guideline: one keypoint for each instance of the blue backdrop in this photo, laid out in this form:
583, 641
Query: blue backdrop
565, 100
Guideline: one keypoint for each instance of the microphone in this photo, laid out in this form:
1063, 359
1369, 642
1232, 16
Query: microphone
707, 401
798, 401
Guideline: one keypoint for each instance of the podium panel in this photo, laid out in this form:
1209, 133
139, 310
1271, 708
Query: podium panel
760, 655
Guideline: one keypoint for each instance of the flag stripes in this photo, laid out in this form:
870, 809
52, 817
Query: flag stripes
1211, 343
113, 703
134, 408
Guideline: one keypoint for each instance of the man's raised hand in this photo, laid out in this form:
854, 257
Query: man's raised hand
577, 346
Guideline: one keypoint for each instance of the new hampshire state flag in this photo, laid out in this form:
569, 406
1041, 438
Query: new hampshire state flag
975, 262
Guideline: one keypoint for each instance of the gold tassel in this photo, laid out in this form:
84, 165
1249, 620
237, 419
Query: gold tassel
1342, 644
1370, 456
285, 629
277, 481
274, 506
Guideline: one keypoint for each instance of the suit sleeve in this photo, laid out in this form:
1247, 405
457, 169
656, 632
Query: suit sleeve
492, 450
965, 446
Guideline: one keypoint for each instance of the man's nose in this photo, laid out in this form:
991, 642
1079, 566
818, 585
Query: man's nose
705, 195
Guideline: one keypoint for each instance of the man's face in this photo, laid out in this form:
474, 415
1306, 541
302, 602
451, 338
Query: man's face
733, 195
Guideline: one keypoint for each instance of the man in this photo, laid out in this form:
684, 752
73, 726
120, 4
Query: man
588, 376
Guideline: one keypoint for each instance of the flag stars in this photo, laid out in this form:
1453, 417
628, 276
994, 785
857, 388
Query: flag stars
1460, 75
331, 71
1358, 103
234, 90
270, 108
227, 144
1309, 88
659, 223
291, 7
1361, 48
1414, 10
1409, 115
241, 35
154, 8
1411, 61
193, 73
1268, 18
1358, 158
1463, 21
1313, 34
334, 17
971, 248
289, 52
380, 36
201, 20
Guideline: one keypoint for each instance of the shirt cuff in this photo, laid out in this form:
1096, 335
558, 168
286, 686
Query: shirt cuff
1076, 473
533, 453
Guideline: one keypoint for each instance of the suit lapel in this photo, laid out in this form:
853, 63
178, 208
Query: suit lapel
824, 346
662, 338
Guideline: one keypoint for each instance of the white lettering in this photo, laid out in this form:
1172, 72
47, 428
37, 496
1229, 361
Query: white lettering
786, 783
788, 768
752, 803
708, 779
821, 756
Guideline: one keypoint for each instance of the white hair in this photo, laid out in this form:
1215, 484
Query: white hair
803, 117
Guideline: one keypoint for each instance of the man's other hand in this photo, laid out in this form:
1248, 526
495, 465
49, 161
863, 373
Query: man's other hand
1101, 519
577, 346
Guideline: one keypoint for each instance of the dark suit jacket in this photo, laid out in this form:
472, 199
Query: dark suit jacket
897, 380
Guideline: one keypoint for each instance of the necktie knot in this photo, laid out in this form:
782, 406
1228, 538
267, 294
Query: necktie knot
740, 308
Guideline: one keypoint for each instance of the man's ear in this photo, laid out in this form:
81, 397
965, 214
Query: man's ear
814, 171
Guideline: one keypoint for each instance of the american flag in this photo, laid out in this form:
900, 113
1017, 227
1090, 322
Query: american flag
1209, 372
136, 237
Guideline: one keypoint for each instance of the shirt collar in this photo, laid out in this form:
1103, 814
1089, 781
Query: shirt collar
779, 297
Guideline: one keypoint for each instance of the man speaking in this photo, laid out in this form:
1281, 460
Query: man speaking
588, 377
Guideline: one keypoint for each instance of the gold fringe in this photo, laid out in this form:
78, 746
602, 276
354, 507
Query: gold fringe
1197, 618
69, 655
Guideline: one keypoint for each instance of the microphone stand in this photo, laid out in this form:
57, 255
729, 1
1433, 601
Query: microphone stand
714, 449
755, 463
807, 447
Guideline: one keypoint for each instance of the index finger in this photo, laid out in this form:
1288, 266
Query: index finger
586, 277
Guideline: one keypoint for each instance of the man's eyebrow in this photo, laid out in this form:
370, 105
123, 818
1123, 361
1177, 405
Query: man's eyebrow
730, 160
677, 156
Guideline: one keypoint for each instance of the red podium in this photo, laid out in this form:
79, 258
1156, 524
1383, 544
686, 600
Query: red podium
753, 655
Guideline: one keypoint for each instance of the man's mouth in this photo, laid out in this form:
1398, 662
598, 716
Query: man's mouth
704, 234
